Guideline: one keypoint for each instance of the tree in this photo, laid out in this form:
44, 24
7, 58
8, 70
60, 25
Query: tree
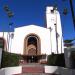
10, 15
65, 11
68, 42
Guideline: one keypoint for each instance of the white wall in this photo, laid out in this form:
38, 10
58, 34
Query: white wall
51, 69
13, 70
52, 19
21, 32
59, 70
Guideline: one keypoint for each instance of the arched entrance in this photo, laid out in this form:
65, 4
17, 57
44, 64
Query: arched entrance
32, 47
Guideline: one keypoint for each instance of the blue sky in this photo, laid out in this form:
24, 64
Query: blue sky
33, 12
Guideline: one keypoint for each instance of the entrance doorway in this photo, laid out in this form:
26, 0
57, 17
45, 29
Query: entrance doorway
32, 59
32, 48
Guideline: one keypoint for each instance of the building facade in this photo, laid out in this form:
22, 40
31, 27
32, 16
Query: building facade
34, 41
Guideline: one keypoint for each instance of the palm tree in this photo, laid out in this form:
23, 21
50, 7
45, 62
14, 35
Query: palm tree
10, 15
72, 11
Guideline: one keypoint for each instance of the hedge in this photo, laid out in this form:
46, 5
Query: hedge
56, 60
10, 59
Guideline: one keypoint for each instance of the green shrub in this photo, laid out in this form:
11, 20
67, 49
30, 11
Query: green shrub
10, 59
56, 60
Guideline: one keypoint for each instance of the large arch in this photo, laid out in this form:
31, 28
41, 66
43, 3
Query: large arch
32, 45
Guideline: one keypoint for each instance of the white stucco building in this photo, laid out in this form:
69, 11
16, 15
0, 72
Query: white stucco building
36, 40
